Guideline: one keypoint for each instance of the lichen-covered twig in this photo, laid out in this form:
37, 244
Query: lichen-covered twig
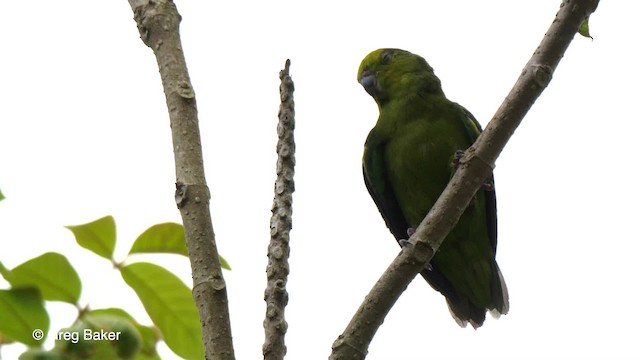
276, 295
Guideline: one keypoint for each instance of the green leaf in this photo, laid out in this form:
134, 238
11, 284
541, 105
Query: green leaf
161, 238
584, 28
170, 306
150, 335
41, 354
223, 263
52, 274
112, 311
99, 337
22, 313
6, 273
165, 238
150, 338
98, 236
1, 196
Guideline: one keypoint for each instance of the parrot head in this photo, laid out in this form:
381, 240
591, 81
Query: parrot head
388, 74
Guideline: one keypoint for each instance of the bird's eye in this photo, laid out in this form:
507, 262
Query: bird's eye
385, 58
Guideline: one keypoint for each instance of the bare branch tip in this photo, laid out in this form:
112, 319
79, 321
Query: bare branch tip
285, 72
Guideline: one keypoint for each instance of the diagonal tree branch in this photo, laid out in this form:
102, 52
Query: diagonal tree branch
276, 295
475, 166
158, 23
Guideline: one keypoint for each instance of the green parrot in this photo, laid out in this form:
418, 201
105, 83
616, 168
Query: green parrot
409, 157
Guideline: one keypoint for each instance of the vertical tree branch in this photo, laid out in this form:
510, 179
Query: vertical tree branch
158, 23
276, 295
475, 167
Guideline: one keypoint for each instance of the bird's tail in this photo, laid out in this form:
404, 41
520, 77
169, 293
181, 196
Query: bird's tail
500, 296
465, 312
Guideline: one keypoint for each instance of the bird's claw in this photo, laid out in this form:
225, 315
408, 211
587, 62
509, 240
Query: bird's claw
405, 242
456, 158
488, 186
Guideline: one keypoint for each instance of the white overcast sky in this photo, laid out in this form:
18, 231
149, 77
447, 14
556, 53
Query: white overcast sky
85, 133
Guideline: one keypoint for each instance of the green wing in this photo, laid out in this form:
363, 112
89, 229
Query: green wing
378, 185
375, 178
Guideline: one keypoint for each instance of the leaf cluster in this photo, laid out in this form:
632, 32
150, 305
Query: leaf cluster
51, 277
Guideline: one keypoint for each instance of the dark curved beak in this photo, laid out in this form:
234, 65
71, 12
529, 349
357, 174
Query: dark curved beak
369, 83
